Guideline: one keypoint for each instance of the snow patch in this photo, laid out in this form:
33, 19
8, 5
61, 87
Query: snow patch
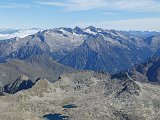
90, 32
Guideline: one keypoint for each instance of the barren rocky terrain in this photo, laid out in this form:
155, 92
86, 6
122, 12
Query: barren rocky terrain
83, 96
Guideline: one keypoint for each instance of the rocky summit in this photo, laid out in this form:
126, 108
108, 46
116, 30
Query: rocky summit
22, 83
83, 96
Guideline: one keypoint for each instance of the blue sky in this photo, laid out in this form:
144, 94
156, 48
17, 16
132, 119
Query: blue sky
109, 14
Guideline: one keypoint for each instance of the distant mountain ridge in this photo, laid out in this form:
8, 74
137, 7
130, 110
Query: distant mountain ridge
90, 48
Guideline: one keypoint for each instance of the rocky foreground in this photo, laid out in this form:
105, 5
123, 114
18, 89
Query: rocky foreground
83, 96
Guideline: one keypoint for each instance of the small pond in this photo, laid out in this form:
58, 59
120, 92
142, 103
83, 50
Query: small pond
55, 117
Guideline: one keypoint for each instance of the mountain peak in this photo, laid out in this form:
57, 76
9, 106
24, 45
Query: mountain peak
21, 83
23, 77
78, 30
66, 29
92, 28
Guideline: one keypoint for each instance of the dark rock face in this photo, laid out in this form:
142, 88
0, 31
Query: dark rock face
22, 83
1, 91
129, 87
157, 53
153, 73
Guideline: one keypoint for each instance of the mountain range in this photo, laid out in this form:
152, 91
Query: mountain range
85, 49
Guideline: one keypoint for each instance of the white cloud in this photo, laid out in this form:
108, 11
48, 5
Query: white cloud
109, 13
143, 24
21, 33
77, 5
17, 5
59, 4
